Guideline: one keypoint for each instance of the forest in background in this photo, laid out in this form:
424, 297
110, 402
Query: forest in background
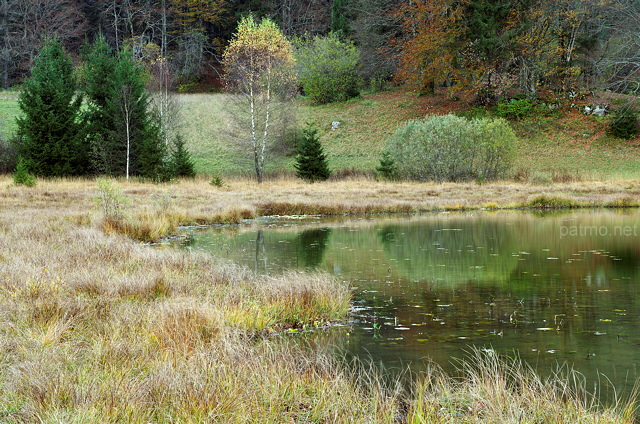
490, 48
113, 67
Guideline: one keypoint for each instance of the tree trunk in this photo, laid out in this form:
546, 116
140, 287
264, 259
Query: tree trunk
163, 47
254, 140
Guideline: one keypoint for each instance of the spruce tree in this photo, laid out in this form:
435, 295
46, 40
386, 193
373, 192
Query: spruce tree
311, 162
181, 164
387, 168
124, 132
138, 128
488, 25
49, 138
339, 24
98, 84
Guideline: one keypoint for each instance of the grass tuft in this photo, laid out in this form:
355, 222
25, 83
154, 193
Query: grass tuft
492, 388
297, 209
552, 202
625, 202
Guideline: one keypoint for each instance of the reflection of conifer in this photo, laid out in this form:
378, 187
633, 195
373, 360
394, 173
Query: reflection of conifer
311, 163
311, 246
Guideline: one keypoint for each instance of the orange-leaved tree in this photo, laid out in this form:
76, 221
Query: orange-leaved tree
429, 51
260, 72
193, 15
467, 45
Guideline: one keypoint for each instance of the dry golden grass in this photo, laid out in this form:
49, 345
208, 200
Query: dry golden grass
155, 211
98, 328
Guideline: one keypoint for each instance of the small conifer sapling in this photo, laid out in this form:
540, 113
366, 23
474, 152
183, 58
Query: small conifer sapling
311, 162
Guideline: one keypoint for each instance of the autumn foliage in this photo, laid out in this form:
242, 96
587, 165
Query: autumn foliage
260, 70
493, 48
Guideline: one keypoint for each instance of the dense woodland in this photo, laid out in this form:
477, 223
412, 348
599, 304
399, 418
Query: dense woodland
123, 58
490, 47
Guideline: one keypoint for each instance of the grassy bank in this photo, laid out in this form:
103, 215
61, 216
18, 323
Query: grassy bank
99, 328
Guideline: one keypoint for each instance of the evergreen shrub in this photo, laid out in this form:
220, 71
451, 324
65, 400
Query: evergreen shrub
311, 162
624, 124
387, 168
22, 176
181, 164
515, 108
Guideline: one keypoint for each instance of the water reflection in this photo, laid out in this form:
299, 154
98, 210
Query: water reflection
431, 286
312, 244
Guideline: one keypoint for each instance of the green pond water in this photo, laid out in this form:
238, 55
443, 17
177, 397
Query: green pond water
552, 289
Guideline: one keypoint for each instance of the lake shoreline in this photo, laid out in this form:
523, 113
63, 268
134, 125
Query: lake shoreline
99, 328
155, 211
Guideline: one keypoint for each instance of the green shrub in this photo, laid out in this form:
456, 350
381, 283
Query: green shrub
624, 124
451, 148
327, 69
180, 163
495, 149
551, 202
22, 176
515, 108
111, 200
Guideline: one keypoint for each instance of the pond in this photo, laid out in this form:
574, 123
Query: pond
552, 289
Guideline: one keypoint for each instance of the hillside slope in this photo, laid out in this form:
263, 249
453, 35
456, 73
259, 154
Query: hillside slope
565, 146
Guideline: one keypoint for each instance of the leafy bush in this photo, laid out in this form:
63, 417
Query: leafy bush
311, 162
327, 69
22, 176
515, 108
495, 151
624, 124
111, 200
451, 148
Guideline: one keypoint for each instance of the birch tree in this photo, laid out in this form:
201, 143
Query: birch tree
260, 74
